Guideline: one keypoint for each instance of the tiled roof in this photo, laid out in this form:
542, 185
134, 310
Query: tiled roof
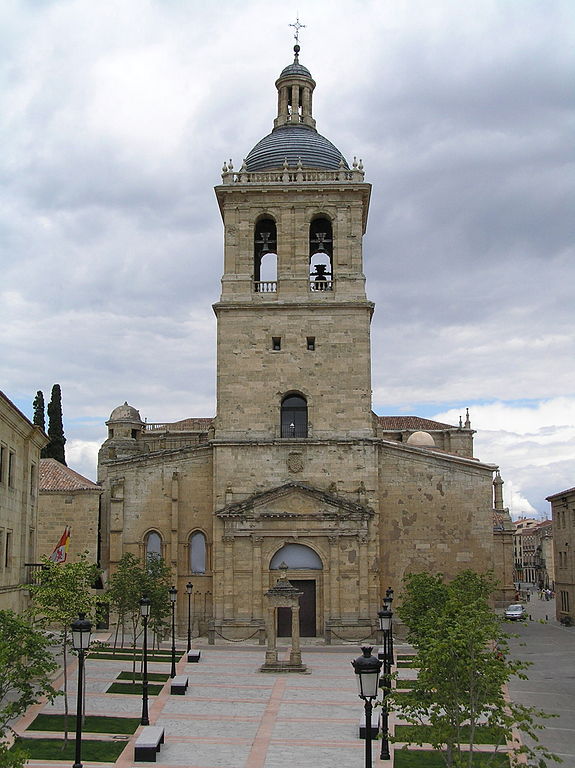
411, 422
498, 519
56, 477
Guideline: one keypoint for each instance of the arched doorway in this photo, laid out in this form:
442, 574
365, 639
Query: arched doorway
299, 557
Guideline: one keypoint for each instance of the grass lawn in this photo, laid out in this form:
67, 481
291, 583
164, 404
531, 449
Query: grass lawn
424, 758
51, 749
136, 690
92, 724
405, 663
128, 651
159, 677
125, 656
483, 734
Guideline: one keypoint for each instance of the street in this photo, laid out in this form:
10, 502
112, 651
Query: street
550, 687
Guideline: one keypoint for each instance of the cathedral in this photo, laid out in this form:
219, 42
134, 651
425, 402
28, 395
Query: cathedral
296, 469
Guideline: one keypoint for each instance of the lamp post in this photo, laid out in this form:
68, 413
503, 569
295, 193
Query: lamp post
81, 630
145, 603
389, 601
173, 595
385, 621
189, 587
366, 668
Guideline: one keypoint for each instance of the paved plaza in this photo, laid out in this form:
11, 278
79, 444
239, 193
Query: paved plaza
233, 716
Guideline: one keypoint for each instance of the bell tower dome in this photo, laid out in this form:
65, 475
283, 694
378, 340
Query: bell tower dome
293, 317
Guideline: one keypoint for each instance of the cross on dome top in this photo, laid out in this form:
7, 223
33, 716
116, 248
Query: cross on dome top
297, 26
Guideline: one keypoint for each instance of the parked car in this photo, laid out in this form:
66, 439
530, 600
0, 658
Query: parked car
515, 612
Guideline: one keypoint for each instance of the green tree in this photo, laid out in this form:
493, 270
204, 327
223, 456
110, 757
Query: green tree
127, 585
26, 667
158, 582
63, 592
463, 661
39, 410
55, 448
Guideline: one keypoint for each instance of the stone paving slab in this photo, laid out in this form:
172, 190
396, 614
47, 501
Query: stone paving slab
232, 716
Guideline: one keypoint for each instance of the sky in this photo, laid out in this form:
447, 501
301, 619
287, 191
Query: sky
116, 118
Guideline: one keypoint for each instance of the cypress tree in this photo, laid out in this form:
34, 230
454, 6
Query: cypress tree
55, 448
39, 418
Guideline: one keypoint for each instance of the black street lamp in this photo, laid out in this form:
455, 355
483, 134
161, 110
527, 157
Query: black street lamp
145, 604
367, 668
173, 595
189, 587
81, 630
385, 623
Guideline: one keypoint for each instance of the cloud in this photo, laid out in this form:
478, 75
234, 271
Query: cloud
534, 445
115, 121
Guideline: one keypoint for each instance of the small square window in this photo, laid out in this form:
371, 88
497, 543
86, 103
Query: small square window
311, 343
276, 343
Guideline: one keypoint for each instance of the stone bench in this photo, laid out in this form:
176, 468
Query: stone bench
179, 685
193, 656
148, 744
374, 723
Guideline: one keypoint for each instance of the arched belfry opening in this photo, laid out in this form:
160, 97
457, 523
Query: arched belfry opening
321, 254
265, 255
294, 416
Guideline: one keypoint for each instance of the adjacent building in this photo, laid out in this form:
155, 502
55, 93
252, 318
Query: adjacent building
20, 446
533, 552
296, 468
563, 515
68, 502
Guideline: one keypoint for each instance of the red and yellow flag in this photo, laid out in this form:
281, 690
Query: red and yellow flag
60, 552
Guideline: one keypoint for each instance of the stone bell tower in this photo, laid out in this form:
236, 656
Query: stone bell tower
293, 447
293, 317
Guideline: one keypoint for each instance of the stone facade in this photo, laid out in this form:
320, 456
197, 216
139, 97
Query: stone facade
295, 461
20, 446
563, 515
67, 500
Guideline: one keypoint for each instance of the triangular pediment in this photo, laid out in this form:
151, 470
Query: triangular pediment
294, 500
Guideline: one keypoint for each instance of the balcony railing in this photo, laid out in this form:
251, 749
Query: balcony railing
293, 175
34, 572
321, 285
265, 286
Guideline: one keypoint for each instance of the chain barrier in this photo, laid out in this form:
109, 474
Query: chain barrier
241, 640
351, 642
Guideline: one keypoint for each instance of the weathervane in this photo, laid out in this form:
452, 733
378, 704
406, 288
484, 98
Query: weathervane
297, 26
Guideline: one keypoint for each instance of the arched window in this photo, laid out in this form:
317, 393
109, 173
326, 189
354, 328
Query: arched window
153, 544
265, 256
321, 254
296, 556
198, 552
294, 416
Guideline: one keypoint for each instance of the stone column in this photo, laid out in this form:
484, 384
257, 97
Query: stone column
228, 542
174, 525
295, 653
271, 650
334, 608
363, 577
295, 104
257, 589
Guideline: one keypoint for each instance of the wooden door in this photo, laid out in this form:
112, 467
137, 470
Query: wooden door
306, 611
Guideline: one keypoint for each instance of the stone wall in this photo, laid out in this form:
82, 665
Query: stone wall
77, 509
